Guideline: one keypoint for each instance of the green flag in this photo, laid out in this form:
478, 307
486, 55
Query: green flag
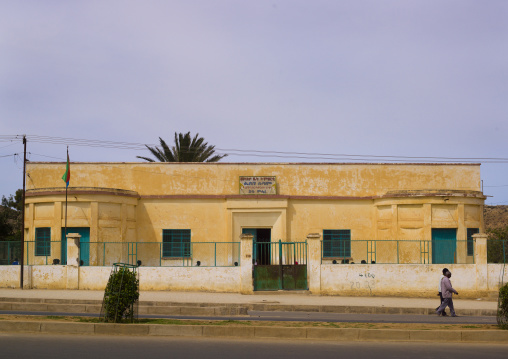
67, 175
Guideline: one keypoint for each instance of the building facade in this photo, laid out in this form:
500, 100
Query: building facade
349, 205
333, 229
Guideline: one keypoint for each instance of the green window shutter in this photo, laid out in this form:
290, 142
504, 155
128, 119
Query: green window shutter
336, 243
43, 241
470, 241
176, 242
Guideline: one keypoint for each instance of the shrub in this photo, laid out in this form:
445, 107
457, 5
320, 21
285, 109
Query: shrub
122, 292
502, 307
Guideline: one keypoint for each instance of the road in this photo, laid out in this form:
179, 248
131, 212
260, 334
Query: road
309, 317
97, 347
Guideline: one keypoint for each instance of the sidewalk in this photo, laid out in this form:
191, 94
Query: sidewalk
194, 303
284, 298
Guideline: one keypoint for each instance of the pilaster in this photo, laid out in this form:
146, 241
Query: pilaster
73, 260
314, 262
482, 283
246, 267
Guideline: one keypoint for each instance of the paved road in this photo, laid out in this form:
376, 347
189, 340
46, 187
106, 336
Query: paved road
108, 347
308, 317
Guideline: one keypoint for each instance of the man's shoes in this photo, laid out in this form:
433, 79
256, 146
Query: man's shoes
438, 314
444, 314
455, 315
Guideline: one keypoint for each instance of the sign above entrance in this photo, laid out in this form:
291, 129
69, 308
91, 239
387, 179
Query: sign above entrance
258, 185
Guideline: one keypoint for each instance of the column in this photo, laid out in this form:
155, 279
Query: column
246, 268
461, 251
427, 233
482, 283
94, 235
73, 260
56, 233
314, 262
395, 222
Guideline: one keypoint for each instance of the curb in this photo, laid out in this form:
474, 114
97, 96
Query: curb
258, 332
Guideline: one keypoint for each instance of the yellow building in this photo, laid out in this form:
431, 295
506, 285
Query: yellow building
335, 229
365, 213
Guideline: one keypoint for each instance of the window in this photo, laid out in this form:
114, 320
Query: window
337, 243
470, 241
42, 241
176, 242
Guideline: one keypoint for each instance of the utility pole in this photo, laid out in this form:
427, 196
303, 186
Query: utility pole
23, 218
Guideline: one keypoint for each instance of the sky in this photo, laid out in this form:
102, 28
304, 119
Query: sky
381, 78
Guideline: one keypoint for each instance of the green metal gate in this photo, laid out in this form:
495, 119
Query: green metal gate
280, 265
444, 245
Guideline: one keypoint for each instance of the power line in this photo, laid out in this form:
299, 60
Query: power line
259, 153
36, 154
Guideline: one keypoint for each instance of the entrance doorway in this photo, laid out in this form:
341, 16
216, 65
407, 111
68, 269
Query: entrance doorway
84, 244
277, 265
261, 242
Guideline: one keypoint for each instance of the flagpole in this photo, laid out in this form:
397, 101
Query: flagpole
21, 272
66, 187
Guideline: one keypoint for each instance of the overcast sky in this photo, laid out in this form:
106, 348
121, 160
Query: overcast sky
399, 78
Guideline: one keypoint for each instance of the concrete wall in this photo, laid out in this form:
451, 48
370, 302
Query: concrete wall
48, 277
497, 273
336, 279
226, 279
410, 280
209, 279
293, 179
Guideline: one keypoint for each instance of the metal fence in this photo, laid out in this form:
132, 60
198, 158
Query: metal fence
150, 254
227, 254
396, 252
10, 252
497, 251
279, 253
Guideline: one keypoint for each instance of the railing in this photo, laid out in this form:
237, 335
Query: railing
497, 251
279, 253
10, 252
150, 254
227, 254
396, 252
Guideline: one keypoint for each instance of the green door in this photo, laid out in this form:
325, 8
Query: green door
84, 244
444, 245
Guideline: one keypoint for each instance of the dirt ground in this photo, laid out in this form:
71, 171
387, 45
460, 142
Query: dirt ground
399, 326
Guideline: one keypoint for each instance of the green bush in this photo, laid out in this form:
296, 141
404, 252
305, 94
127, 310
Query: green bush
122, 291
502, 309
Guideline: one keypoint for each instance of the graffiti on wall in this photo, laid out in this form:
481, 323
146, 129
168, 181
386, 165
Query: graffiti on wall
364, 281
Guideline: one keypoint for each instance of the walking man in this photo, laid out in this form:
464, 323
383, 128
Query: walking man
440, 294
447, 292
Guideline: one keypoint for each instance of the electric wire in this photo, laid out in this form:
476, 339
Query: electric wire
258, 153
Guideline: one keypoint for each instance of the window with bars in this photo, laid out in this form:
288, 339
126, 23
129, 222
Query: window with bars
470, 241
176, 243
43, 241
336, 243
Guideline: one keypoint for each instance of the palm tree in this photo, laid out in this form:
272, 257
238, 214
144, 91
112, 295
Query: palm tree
184, 150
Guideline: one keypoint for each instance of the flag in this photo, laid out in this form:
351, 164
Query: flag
67, 175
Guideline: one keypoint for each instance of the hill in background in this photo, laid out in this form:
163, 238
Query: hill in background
495, 216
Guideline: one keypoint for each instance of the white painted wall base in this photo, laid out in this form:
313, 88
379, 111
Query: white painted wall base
394, 280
